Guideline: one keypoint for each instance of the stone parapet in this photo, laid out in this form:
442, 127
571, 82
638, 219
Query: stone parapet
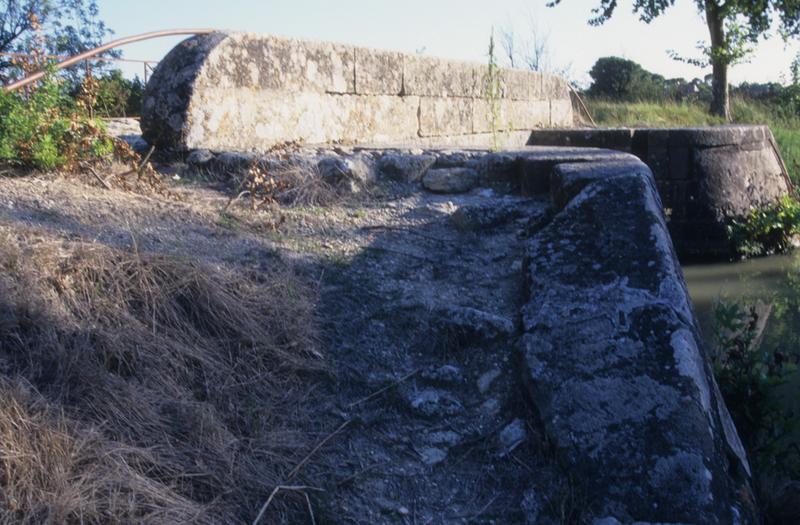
705, 175
242, 91
614, 362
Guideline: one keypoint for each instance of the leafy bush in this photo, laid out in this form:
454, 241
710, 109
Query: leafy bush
48, 130
113, 95
768, 229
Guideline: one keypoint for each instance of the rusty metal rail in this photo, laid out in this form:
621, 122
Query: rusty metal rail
105, 47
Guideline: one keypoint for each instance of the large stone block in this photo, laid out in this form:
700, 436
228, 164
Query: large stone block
445, 116
554, 86
524, 114
432, 77
277, 116
561, 114
257, 61
510, 114
727, 170
614, 361
733, 180
519, 84
378, 72
612, 138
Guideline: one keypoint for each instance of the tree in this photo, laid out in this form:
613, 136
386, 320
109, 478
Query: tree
732, 25
56, 27
621, 79
530, 49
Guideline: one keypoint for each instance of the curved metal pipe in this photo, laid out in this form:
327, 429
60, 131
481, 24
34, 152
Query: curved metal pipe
105, 47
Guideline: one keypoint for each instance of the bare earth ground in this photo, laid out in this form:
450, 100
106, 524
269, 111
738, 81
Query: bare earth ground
422, 419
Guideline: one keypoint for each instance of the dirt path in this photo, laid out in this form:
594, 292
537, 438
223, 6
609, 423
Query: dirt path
420, 295
423, 323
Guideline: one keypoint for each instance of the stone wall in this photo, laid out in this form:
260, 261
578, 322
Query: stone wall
239, 91
704, 175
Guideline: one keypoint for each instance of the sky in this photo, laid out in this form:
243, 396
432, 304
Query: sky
457, 29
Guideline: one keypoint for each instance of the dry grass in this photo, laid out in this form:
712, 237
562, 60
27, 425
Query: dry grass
295, 184
145, 388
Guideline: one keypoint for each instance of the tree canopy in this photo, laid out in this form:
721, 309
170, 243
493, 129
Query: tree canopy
621, 79
56, 27
732, 25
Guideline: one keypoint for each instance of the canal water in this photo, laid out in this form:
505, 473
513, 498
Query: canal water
760, 279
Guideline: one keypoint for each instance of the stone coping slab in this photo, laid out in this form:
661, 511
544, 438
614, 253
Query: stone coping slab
614, 362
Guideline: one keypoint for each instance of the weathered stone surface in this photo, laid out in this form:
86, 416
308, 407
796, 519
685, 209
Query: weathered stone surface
612, 138
378, 72
484, 217
511, 114
520, 84
405, 168
199, 158
434, 403
432, 77
351, 173
445, 116
555, 86
274, 117
169, 92
242, 91
706, 175
560, 113
614, 362
257, 61
450, 180
733, 179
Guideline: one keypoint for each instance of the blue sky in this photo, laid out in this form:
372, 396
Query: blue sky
448, 28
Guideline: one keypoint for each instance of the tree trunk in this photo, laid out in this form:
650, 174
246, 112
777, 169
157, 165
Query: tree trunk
720, 102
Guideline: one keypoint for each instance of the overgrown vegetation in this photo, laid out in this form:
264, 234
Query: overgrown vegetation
48, 130
141, 388
758, 382
114, 95
767, 230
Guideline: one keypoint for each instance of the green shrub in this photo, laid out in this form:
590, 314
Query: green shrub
116, 96
47, 130
768, 229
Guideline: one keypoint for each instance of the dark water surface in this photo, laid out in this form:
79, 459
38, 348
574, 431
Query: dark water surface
754, 279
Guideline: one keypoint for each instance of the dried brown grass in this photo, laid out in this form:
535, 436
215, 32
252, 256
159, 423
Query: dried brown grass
139, 387
289, 184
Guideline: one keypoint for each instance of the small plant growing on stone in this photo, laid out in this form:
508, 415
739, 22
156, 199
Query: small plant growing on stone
493, 84
768, 229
